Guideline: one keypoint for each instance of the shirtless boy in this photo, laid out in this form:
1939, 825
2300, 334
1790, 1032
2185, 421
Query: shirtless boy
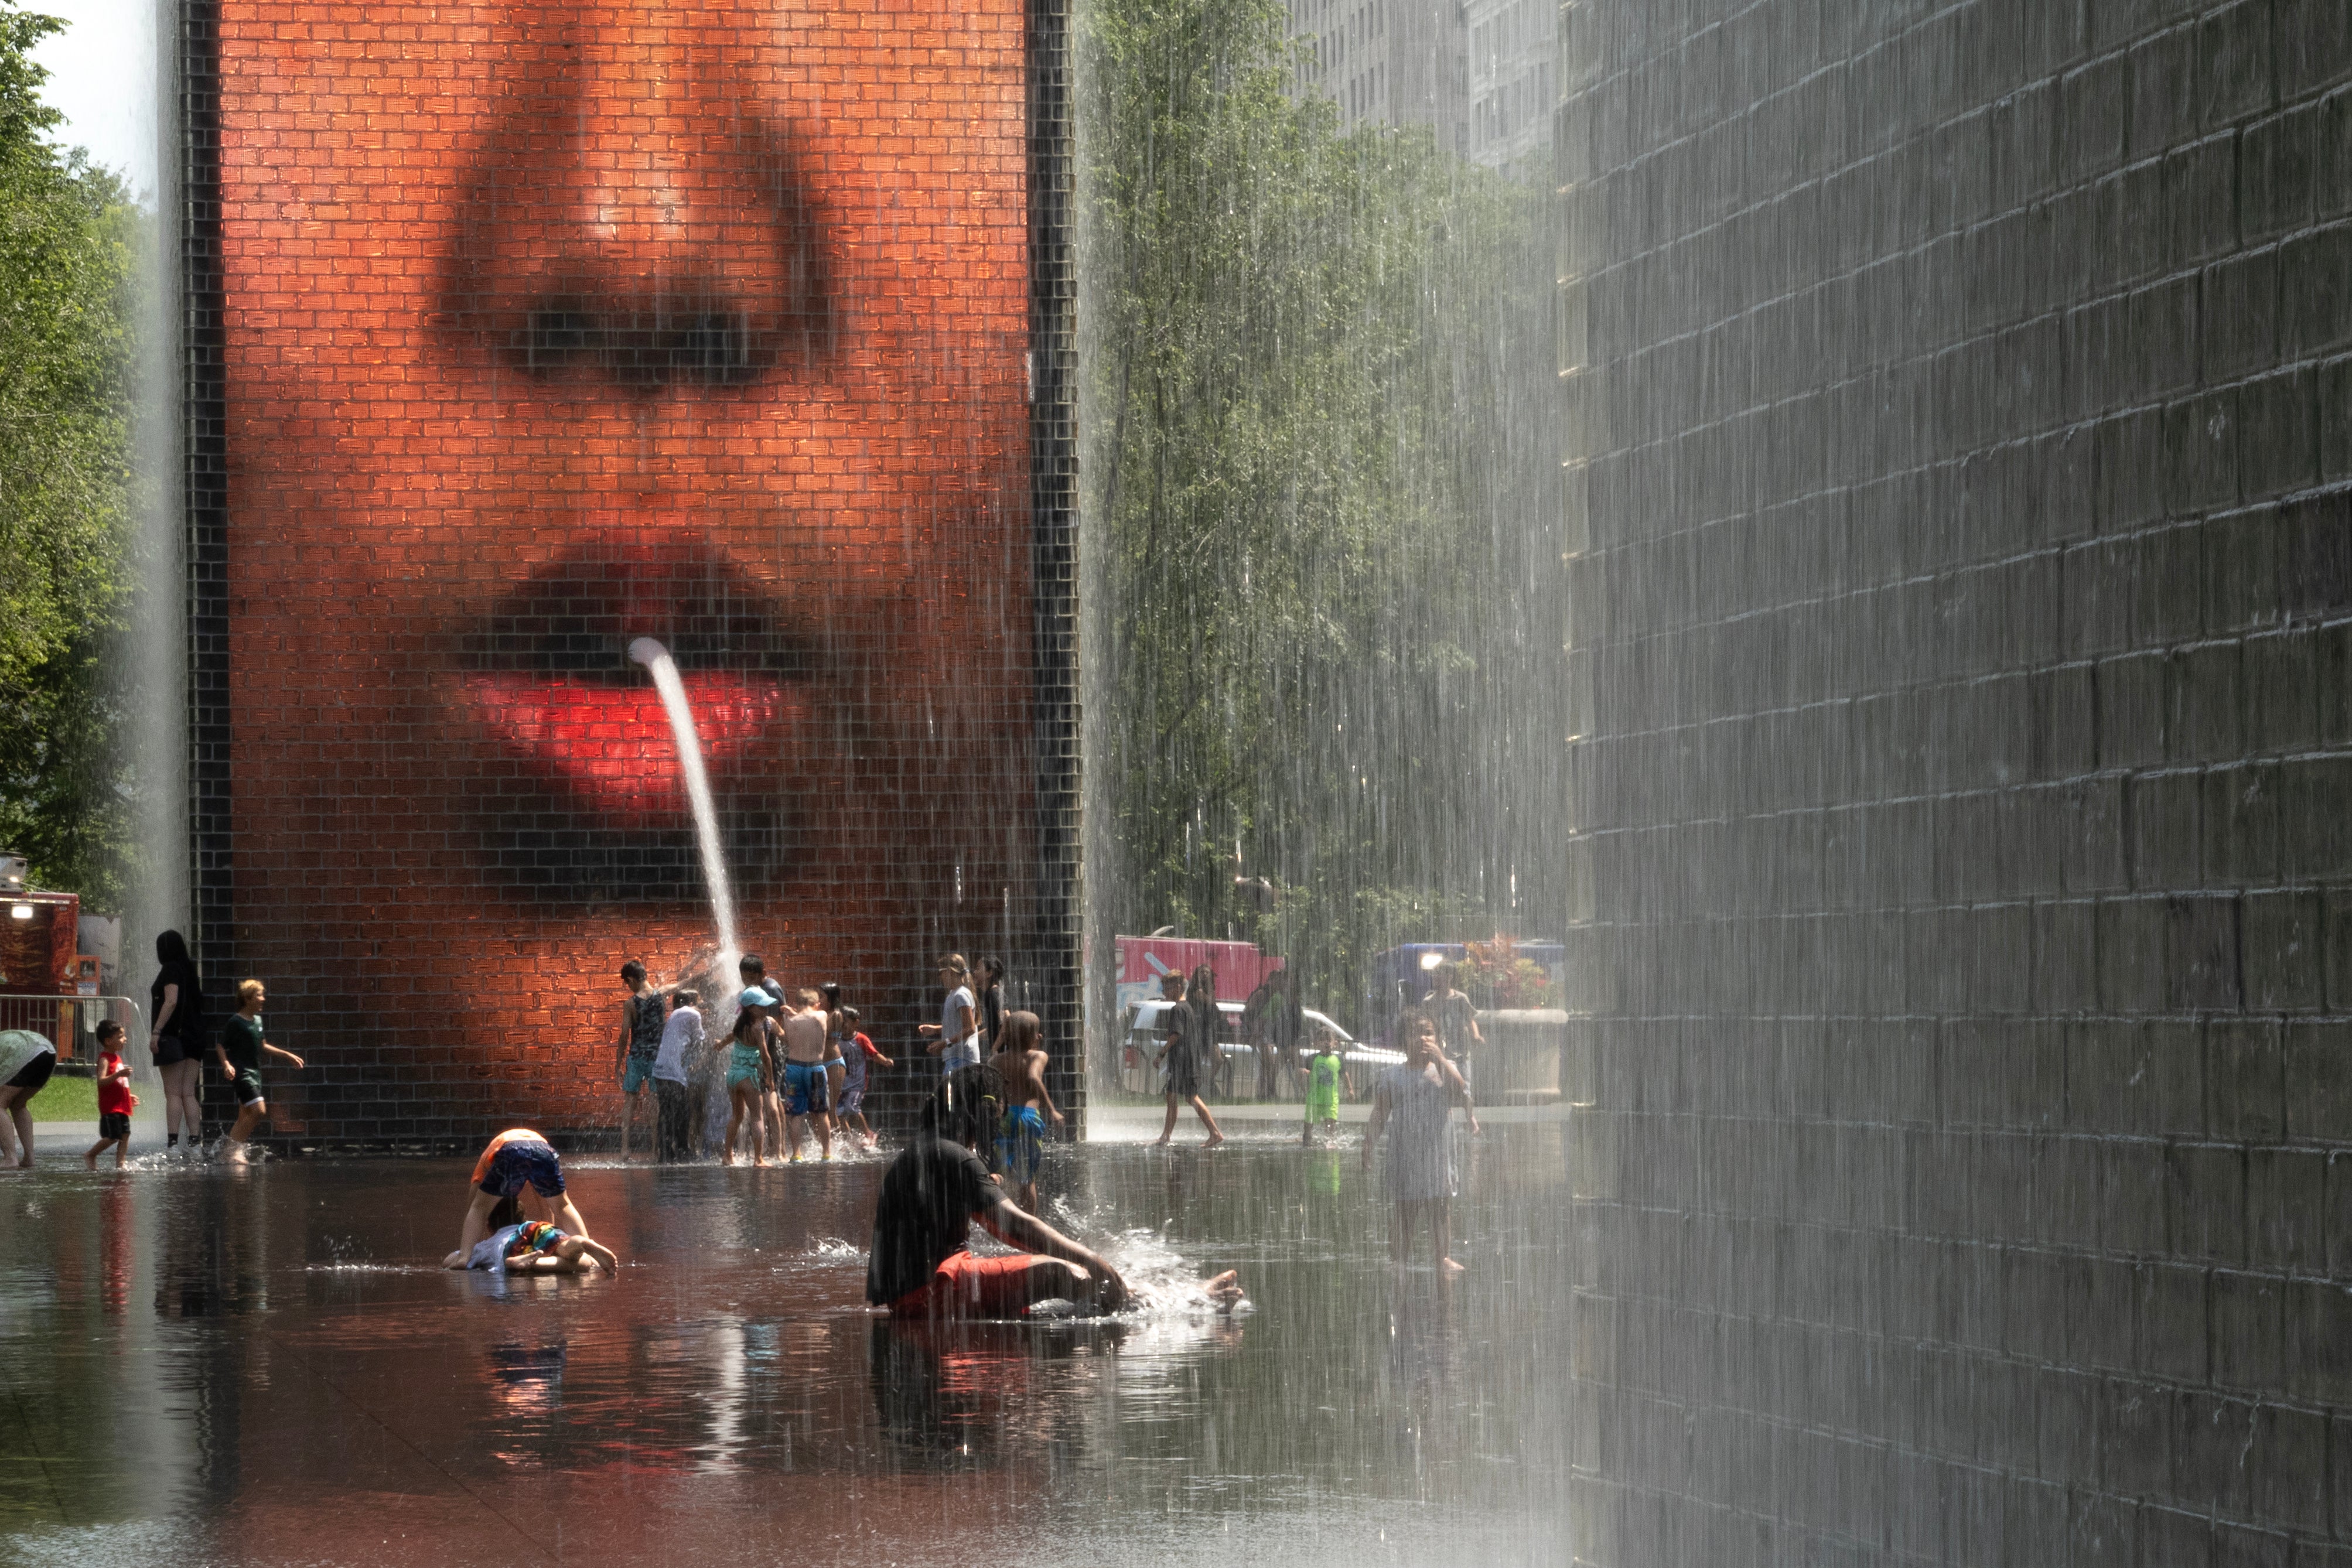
808, 1046
1019, 1062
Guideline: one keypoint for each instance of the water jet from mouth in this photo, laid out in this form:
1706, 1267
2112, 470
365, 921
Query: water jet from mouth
655, 658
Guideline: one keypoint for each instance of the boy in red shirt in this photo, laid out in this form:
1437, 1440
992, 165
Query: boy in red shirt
114, 1097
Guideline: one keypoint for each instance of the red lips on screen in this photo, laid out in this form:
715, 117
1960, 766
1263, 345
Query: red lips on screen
546, 673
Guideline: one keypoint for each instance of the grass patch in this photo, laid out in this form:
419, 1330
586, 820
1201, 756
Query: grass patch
64, 1099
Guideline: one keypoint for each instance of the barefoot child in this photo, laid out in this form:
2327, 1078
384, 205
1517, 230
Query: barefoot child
1020, 1131
1181, 1056
1419, 1098
852, 1076
241, 1051
114, 1097
534, 1247
748, 1072
807, 1082
1326, 1079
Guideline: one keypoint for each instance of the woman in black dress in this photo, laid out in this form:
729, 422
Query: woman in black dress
175, 1037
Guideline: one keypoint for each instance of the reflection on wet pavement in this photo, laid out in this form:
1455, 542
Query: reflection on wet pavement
210, 1365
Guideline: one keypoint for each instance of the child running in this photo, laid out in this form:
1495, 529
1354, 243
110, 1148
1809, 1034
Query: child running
1020, 1064
535, 1247
114, 1098
517, 1164
1326, 1073
853, 1077
748, 1073
1419, 1097
241, 1051
806, 1053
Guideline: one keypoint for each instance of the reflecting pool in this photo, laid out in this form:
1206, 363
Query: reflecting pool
215, 1365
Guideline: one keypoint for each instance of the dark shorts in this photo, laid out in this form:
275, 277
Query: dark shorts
34, 1074
113, 1125
1184, 1073
249, 1088
524, 1163
169, 1048
637, 1073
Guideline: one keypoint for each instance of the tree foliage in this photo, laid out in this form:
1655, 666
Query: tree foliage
67, 243
1318, 413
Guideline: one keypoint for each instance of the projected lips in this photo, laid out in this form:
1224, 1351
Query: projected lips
548, 673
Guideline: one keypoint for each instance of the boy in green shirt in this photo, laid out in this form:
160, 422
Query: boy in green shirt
1326, 1079
240, 1051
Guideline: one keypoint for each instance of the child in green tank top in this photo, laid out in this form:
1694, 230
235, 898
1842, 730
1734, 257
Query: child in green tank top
1327, 1081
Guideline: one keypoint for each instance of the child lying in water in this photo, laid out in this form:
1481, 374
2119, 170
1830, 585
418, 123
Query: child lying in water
534, 1247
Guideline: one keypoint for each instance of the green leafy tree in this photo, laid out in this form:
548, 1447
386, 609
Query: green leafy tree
1319, 459
69, 237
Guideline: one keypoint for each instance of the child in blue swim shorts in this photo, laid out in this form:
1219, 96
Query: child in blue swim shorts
1020, 1065
517, 1165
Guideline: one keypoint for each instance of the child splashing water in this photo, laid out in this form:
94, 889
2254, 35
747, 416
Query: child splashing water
749, 1072
1020, 1063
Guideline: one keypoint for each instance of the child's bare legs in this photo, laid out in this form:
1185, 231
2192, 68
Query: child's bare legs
121, 1152
17, 1134
742, 1109
1200, 1109
571, 1248
823, 1122
1168, 1128
249, 1117
182, 1111
1441, 1235
477, 1226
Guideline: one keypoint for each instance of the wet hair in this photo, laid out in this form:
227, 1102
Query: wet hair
963, 1110
246, 990
1023, 1031
954, 965
995, 968
850, 1014
632, 971
108, 1031
684, 996
1409, 1024
747, 1021
750, 964
806, 997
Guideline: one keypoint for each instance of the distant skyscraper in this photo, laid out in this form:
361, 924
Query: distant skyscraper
1477, 72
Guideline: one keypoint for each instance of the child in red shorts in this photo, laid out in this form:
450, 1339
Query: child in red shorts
114, 1097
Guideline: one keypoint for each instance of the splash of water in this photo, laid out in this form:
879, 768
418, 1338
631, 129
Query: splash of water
655, 658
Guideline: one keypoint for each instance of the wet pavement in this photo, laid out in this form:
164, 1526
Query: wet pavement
212, 1365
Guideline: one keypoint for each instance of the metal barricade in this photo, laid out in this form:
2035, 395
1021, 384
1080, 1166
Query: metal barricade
70, 1023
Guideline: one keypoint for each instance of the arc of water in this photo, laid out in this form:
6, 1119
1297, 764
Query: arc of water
655, 658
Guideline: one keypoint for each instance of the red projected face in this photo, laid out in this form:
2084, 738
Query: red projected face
550, 328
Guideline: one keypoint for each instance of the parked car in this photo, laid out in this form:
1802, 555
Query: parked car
1145, 1031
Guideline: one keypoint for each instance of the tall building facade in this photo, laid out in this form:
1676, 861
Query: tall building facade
1481, 75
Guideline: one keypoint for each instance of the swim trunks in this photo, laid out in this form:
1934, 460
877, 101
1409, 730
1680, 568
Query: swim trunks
1020, 1145
249, 1088
636, 1074
742, 1064
804, 1088
113, 1125
519, 1157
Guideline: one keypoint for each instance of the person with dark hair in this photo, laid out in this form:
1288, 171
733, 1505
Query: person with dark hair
175, 1038
1456, 1017
807, 1077
1020, 1065
856, 1054
115, 1101
920, 1264
751, 1068
1417, 1101
770, 1126
1179, 1056
1201, 997
639, 1042
990, 983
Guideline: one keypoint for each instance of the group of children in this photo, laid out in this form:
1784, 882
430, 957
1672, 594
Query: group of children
241, 1050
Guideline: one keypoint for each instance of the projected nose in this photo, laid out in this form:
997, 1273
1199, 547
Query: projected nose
635, 218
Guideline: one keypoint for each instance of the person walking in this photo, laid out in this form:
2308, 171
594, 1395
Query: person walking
1415, 1103
243, 1047
176, 1039
1276, 1025
1201, 997
1180, 1055
955, 1038
1456, 1017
